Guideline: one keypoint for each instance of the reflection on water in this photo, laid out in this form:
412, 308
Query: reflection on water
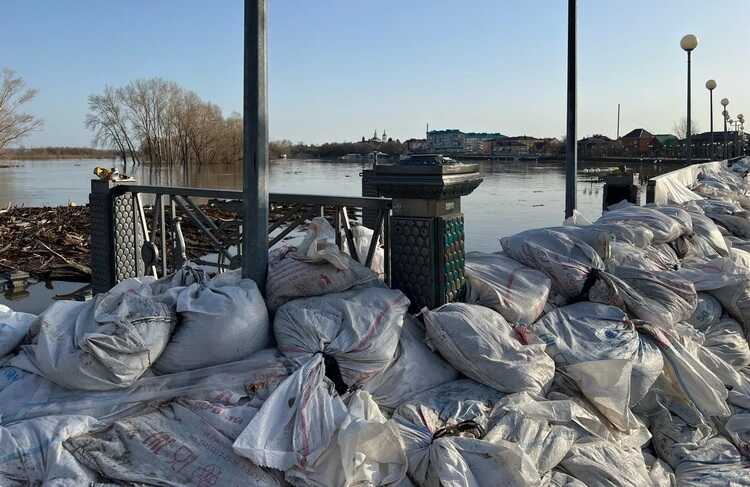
513, 196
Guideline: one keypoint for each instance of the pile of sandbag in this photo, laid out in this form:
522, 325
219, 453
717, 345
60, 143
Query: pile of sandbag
611, 353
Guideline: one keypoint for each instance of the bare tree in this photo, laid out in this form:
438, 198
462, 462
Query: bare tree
160, 122
14, 124
680, 128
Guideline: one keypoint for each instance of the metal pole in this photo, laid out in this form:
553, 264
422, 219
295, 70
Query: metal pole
255, 145
713, 150
618, 122
571, 156
726, 146
689, 145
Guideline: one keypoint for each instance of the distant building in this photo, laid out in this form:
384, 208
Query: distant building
480, 142
508, 146
449, 141
666, 145
638, 142
597, 146
702, 144
416, 145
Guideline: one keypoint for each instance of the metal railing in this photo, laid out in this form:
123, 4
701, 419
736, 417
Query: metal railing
154, 229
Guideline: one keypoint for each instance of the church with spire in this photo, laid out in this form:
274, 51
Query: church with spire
377, 140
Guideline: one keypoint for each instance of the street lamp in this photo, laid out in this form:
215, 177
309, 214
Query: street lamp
725, 114
734, 139
741, 120
711, 85
688, 43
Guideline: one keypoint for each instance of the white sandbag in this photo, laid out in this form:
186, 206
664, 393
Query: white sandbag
414, 369
687, 374
478, 342
737, 428
542, 439
561, 479
357, 331
659, 471
220, 321
726, 339
296, 423
713, 274
362, 237
708, 311
651, 258
741, 258
739, 226
442, 440
30, 395
565, 259
604, 464
314, 268
517, 292
585, 332
714, 463
32, 453
664, 227
367, 450
706, 229
577, 218
606, 384
665, 297
679, 214
170, 445
718, 207
168, 288
14, 326
638, 236
735, 298
105, 343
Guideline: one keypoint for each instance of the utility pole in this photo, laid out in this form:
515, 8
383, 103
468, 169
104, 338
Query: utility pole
571, 152
618, 122
255, 142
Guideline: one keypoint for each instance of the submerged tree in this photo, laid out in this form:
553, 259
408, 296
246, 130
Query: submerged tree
14, 124
159, 122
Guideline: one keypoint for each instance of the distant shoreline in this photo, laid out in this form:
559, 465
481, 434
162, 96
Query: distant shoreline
55, 153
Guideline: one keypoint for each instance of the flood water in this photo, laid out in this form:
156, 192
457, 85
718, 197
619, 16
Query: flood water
513, 196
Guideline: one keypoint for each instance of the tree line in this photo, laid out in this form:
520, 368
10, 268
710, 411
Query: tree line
162, 123
57, 153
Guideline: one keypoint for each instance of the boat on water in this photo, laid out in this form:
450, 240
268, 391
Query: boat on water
369, 157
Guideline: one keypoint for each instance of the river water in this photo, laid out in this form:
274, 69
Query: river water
513, 196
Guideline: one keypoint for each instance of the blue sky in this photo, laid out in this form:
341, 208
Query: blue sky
341, 68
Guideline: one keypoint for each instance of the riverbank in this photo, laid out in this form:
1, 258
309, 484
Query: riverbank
55, 154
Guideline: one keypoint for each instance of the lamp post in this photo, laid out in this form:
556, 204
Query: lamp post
688, 43
571, 155
741, 122
734, 139
725, 114
711, 85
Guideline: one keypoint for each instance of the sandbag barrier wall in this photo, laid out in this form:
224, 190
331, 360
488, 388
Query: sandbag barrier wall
658, 186
126, 243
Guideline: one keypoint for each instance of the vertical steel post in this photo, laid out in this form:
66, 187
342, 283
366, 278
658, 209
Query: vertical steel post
618, 122
571, 152
255, 144
713, 149
688, 139
726, 143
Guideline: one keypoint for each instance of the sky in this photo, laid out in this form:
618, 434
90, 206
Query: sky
339, 69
